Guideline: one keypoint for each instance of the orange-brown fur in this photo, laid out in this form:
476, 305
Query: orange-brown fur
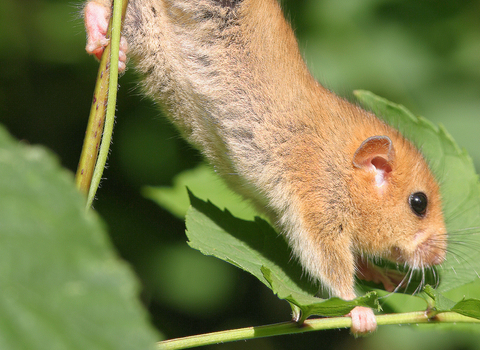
231, 78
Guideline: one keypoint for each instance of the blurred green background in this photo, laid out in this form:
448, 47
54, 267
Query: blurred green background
423, 54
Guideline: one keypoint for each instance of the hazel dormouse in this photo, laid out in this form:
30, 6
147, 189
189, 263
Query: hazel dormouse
337, 182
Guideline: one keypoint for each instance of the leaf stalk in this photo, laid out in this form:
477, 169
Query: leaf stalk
308, 326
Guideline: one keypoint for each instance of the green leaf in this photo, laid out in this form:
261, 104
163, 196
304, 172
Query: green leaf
206, 185
459, 184
311, 305
440, 302
246, 244
468, 307
255, 247
62, 285
429, 292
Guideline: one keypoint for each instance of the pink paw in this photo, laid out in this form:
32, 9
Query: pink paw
96, 24
390, 279
363, 320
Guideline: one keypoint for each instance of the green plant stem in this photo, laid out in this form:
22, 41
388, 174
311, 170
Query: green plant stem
308, 326
92, 160
118, 13
93, 135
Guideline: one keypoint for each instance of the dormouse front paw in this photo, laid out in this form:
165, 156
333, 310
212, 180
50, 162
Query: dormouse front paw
390, 279
96, 18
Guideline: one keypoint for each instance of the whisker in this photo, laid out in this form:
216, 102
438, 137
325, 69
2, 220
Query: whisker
411, 272
472, 243
455, 257
435, 277
422, 279
422, 284
400, 285
460, 237
454, 271
460, 259
466, 229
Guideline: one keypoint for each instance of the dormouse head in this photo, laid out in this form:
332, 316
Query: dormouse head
398, 203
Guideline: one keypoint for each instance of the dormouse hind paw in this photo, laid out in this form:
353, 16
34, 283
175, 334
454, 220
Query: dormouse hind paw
363, 321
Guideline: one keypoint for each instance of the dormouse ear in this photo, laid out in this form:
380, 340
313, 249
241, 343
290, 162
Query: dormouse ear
376, 154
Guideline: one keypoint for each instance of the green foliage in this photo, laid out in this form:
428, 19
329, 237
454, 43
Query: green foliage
62, 285
439, 303
206, 185
205, 288
255, 247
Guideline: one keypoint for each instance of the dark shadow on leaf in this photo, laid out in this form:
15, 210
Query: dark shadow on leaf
261, 238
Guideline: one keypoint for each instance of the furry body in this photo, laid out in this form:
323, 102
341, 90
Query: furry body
333, 178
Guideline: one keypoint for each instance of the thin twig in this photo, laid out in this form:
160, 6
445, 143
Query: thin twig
105, 90
307, 326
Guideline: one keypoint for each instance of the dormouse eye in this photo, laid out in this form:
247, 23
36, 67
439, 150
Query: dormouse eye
418, 202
